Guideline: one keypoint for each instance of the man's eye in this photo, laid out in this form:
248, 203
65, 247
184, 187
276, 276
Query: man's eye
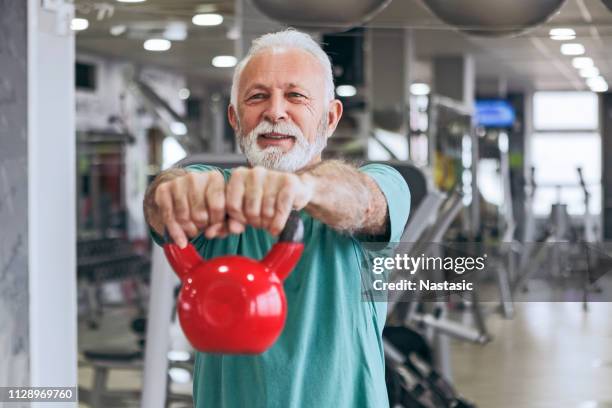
257, 96
296, 95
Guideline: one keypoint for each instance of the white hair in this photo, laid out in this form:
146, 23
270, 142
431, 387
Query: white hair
289, 38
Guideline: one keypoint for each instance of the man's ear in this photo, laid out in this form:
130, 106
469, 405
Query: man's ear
232, 116
334, 114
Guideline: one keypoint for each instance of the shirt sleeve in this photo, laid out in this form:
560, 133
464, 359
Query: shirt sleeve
397, 193
158, 239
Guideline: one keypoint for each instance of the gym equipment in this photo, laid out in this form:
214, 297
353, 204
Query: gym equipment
234, 304
340, 14
494, 18
566, 251
431, 216
106, 259
411, 379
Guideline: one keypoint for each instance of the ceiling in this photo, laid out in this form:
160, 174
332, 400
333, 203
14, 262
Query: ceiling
531, 60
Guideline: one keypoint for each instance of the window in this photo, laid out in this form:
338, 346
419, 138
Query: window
566, 137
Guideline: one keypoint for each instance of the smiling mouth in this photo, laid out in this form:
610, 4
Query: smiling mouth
275, 136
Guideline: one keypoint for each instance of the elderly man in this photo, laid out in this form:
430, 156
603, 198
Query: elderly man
283, 110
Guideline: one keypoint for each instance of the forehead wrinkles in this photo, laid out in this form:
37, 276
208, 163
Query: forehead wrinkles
300, 67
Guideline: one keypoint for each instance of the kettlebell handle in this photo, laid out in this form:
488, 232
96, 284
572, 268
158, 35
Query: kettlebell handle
281, 259
294, 229
286, 253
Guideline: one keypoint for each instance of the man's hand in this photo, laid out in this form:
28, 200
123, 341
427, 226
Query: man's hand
186, 203
264, 198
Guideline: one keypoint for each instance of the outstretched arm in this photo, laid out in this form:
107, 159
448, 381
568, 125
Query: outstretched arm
346, 199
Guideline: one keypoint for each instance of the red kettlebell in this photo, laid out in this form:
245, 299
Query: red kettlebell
234, 304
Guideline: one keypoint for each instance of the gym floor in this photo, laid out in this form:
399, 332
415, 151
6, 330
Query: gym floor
550, 355
114, 332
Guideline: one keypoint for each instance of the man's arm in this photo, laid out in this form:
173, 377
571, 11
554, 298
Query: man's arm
335, 193
346, 199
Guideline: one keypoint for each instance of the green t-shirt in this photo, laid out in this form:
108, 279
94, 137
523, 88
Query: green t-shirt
330, 353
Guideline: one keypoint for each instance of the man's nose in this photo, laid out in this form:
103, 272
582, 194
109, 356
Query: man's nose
276, 109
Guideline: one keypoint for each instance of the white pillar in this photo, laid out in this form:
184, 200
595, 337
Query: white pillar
157, 342
51, 181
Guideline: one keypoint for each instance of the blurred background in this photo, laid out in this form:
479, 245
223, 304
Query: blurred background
497, 113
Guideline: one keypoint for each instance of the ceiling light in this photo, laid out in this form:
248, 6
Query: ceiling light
131, 1
589, 72
224, 61
582, 62
419, 89
178, 128
600, 88
79, 24
563, 37
572, 49
560, 32
597, 84
208, 19
157, 44
346, 91
184, 93
118, 30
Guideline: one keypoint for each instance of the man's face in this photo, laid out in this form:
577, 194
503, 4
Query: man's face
282, 120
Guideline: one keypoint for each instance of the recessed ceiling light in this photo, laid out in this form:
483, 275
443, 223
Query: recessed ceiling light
558, 32
603, 87
572, 49
79, 24
582, 62
131, 1
419, 89
346, 91
184, 93
562, 37
224, 61
157, 44
598, 83
118, 29
589, 72
207, 19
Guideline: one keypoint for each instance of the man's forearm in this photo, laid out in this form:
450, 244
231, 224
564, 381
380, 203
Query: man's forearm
346, 199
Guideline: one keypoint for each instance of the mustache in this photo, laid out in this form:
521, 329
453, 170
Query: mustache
284, 128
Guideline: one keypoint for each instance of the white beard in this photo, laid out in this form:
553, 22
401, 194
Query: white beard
273, 157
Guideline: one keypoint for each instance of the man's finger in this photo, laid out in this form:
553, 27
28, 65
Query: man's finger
284, 205
215, 198
268, 205
234, 194
253, 196
216, 230
164, 202
235, 227
197, 200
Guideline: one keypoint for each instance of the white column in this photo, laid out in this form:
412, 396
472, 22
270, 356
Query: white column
157, 342
51, 196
